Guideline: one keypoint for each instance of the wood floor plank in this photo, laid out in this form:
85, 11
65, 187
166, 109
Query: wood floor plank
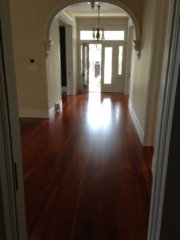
86, 174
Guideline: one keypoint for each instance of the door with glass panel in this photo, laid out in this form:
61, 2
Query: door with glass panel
107, 68
112, 67
85, 67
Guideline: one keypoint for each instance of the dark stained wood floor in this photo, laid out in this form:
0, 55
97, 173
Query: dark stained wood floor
86, 174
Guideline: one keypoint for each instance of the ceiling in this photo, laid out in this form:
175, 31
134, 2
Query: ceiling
85, 10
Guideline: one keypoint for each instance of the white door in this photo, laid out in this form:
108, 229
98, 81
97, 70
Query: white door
113, 56
85, 67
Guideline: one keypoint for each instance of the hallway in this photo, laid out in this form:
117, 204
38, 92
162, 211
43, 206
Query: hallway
86, 174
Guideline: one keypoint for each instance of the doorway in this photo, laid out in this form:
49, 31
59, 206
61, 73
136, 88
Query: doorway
95, 66
62, 38
102, 67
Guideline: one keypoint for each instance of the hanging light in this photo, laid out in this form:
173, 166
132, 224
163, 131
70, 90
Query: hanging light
98, 31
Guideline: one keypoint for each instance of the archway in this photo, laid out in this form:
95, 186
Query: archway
48, 40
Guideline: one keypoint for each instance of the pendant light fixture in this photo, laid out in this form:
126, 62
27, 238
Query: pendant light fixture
98, 31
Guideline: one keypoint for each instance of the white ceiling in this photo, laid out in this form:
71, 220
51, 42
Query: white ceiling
85, 10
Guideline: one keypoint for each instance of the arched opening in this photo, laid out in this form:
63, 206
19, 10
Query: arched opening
52, 19
71, 3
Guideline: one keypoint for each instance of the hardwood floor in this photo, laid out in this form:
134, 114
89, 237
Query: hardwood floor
86, 174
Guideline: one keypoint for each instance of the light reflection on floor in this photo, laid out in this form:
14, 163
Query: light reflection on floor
99, 113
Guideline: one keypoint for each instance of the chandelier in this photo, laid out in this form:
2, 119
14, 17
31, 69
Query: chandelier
98, 31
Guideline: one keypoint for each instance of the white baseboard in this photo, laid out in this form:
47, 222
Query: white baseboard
136, 123
75, 92
36, 113
51, 111
33, 113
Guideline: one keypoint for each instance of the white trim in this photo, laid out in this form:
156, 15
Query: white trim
35, 113
51, 111
10, 143
129, 50
63, 16
69, 59
48, 46
75, 92
136, 122
164, 124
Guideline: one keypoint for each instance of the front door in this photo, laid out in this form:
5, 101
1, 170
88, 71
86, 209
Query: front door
113, 67
85, 67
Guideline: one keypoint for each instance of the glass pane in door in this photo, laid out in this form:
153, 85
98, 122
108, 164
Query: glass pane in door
120, 60
86, 65
107, 65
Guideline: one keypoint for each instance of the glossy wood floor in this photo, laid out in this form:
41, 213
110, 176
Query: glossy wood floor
86, 175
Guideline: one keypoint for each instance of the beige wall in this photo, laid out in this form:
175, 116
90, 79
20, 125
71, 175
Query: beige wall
31, 86
116, 22
141, 68
53, 69
157, 56
147, 72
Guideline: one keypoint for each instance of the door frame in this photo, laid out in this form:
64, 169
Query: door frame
112, 44
85, 61
127, 81
69, 57
167, 110
68, 24
116, 79
111, 88
11, 174
162, 140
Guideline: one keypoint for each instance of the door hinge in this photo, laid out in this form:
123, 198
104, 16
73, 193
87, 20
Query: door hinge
15, 176
69, 74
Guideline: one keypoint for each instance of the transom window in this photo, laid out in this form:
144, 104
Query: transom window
109, 35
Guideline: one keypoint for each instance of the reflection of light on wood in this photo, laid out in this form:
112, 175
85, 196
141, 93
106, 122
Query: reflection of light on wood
99, 113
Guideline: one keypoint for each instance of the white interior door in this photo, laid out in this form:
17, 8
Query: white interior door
85, 67
113, 64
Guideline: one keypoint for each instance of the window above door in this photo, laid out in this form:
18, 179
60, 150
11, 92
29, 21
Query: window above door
114, 35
